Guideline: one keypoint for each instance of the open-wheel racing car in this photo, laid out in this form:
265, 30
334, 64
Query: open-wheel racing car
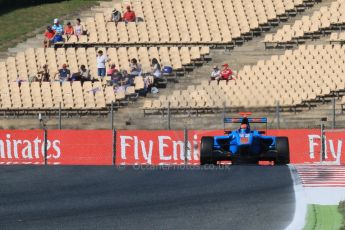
244, 145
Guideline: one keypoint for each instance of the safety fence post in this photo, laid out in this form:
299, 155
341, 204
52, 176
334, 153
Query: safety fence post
278, 115
185, 134
223, 113
112, 115
322, 136
45, 140
169, 116
333, 113
60, 116
114, 146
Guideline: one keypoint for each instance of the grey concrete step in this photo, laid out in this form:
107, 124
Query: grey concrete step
3, 56
107, 4
40, 36
12, 51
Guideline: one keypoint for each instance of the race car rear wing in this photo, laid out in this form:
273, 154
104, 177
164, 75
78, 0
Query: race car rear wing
262, 120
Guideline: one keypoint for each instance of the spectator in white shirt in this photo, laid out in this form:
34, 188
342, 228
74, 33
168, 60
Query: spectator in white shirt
135, 67
215, 75
79, 29
101, 60
156, 68
116, 16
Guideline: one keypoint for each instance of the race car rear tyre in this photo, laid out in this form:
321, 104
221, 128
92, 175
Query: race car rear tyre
283, 152
206, 150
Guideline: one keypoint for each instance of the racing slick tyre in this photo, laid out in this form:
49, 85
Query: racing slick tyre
206, 150
283, 153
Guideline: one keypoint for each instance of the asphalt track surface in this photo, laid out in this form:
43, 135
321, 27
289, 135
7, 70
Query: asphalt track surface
56, 197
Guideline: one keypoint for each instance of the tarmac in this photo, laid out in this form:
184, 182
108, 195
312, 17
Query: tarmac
224, 197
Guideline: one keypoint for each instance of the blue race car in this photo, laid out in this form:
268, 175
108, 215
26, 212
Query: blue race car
244, 145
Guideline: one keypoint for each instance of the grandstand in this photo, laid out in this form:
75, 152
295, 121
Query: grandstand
187, 35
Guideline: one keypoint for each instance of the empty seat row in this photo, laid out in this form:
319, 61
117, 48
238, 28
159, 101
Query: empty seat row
337, 37
69, 95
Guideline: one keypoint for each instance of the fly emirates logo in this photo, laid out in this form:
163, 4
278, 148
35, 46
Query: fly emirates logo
11, 148
332, 148
161, 149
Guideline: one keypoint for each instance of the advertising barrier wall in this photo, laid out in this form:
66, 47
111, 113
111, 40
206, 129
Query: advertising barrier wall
65, 147
80, 147
163, 147
166, 147
21, 147
150, 147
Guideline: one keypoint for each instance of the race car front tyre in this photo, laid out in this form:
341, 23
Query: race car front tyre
206, 150
283, 152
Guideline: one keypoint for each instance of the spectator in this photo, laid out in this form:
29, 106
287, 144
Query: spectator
43, 73
129, 15
135, 67
101, 60
69, 30
124, 78
79, 29
57, 27
82, 75
116, 16
156, 68
49, 37
112, 70
226, 73
156, 71
115, 78
215, 75
64, 74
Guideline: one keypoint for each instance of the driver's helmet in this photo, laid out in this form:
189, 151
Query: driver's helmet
244, 128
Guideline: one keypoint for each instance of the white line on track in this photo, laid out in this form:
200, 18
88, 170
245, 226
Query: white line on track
298, 221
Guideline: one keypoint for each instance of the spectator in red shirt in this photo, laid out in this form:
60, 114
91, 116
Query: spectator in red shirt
112, 70
129, 15
226, 73
49, 37
69, 30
